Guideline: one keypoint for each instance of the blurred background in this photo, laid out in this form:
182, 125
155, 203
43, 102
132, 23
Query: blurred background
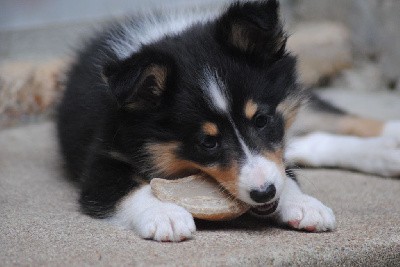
349, 49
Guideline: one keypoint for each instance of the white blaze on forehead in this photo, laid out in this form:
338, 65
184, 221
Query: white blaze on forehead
215, 91
245, 148
218, 98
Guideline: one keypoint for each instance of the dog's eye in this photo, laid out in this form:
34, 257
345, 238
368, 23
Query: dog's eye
209, 142
261, 120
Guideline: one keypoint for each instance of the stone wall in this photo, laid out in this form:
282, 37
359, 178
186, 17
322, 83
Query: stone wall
374, 26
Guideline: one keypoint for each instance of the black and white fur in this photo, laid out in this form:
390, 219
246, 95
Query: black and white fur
172, 94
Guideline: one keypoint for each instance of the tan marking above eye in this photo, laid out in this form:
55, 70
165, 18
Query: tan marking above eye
250, 109
210, 128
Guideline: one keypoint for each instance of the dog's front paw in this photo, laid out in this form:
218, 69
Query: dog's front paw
304, 212
165, 222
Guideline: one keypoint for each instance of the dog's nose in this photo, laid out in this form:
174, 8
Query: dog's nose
263, 195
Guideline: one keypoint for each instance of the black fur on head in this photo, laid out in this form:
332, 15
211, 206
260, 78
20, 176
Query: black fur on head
140, 81
253, 30
160, 88
193, 100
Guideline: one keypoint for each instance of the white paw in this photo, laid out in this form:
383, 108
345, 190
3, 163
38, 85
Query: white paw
304, 212
377, 155
309, 149
165, 222
381, 156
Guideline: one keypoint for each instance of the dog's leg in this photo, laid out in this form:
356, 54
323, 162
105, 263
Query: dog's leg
301, 211
318, 115
153, 219
376, 155
348, 141
110, 191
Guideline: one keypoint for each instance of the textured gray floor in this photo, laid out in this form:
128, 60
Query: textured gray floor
40, 223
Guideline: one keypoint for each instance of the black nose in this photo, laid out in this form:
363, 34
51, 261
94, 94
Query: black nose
262, 196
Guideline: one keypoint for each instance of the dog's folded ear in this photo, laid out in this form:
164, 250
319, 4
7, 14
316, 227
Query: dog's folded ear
140, 81
253, 30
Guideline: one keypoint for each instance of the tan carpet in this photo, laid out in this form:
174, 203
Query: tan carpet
40, 223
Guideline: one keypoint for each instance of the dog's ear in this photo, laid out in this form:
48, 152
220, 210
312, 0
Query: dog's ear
253, 29
139, 82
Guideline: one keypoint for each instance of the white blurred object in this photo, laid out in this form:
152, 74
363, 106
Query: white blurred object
363, 77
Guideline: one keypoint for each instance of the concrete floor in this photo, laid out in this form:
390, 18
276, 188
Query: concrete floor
41, 224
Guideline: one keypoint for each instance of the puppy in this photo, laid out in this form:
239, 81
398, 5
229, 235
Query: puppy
173, 94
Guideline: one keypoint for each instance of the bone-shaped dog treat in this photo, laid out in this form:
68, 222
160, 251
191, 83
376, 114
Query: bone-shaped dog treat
201, 196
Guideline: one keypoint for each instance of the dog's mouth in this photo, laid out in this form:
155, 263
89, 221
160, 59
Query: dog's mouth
265, 209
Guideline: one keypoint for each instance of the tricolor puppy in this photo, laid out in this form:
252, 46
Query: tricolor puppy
168, 95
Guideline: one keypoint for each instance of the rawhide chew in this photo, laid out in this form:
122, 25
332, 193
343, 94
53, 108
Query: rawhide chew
201, 196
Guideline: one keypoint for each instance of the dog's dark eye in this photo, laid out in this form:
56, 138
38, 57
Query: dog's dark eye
209, 142
261, 120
